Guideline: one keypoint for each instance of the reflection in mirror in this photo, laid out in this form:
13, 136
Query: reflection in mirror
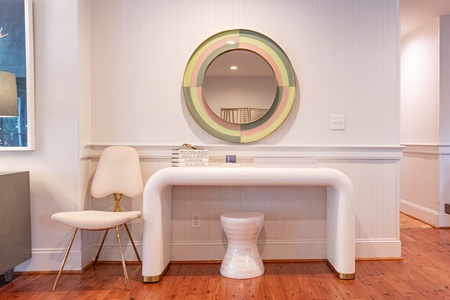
239, 86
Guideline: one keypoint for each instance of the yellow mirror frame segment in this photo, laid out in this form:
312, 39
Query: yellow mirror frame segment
244, 40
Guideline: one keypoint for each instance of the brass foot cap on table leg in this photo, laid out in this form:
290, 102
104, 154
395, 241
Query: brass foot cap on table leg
156, 278
343, 276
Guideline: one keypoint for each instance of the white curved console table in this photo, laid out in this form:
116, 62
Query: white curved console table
157, 209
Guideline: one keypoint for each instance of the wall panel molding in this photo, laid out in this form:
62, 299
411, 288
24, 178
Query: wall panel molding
431, 149
264, 151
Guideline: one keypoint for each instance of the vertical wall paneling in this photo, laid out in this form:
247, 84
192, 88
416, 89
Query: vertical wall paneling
295, 220
424, 187
83, 73
425, 118
444, 188
419, 188
444, 75
420, 86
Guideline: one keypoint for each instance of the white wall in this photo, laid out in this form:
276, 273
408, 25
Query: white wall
110, 72
420, 86
53, 165
425, 117
344, 55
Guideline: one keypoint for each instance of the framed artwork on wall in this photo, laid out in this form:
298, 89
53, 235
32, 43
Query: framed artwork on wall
16, 75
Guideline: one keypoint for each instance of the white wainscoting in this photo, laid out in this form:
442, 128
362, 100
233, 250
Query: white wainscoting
373, 171
425, 183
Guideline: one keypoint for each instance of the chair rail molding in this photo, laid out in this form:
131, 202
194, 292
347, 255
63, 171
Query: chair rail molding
325, 152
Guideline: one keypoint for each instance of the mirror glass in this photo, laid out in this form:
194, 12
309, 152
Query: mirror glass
239, 86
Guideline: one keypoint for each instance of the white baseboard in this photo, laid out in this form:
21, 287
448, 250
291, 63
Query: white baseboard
50, 260
297, 250
378, 249
197, 251
431, 217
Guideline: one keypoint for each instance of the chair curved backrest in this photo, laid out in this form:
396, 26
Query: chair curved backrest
118, 171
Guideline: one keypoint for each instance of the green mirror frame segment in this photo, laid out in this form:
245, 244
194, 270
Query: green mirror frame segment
244, 40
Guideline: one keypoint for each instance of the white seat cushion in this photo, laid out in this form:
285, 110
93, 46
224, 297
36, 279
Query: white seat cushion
95, 220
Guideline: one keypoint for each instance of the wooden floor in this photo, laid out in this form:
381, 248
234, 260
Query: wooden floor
423, 273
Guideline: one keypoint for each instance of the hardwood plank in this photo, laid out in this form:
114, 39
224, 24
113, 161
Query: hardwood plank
423, 273
200, 280
216, 288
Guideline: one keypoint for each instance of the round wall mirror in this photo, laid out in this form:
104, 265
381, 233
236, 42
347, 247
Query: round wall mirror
239, 86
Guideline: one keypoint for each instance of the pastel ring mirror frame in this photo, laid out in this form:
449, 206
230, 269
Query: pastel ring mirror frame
206, 53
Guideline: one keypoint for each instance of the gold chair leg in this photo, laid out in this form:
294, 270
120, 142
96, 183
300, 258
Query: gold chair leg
65, 259
103, 241
125, 273
101, 246
117, 198
132, 242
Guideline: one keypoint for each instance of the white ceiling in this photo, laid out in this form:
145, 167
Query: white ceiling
414, 13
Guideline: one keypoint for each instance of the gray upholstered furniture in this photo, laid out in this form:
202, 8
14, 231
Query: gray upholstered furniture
15, 228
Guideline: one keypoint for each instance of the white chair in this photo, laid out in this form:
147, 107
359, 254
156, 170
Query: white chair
118, 173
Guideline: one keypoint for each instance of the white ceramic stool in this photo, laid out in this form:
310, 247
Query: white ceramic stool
242, 259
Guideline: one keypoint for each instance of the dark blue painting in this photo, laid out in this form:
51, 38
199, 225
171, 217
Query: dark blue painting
13, 58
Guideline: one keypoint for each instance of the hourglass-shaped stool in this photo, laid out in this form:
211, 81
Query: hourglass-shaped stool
242, 259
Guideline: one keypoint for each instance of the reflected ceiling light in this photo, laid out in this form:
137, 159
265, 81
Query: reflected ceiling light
231, 42
233, 68
8, 95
